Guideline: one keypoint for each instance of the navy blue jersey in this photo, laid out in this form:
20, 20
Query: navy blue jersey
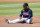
26, 13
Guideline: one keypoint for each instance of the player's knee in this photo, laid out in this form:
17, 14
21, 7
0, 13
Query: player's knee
28, 21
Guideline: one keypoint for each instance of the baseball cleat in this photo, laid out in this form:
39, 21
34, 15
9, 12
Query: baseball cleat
30, 23
6, 20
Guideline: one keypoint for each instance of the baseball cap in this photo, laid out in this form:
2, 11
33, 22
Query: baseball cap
25, 4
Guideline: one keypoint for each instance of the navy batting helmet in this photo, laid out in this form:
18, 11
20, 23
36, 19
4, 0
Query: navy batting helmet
25, 4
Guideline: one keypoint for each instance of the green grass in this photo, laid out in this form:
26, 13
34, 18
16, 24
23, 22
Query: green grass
14, 8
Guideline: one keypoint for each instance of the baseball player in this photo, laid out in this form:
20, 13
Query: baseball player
26, 12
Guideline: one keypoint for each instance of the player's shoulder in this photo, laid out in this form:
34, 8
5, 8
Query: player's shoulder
22, 10
30, 10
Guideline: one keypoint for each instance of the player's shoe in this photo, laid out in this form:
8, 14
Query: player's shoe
6, 20
30, 23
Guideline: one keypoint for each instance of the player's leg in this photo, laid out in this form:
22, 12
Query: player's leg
23, 20
29, 21
16, 20
12, 21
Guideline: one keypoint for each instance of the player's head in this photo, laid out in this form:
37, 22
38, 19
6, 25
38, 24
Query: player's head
25, 6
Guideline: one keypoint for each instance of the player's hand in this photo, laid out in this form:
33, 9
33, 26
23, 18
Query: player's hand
27, 19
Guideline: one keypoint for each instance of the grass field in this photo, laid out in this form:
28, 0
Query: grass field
14, 8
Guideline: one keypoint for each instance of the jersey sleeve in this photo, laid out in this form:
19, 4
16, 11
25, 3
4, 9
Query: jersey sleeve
21, 13
30, 14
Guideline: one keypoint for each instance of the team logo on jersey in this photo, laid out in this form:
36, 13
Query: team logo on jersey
25, 13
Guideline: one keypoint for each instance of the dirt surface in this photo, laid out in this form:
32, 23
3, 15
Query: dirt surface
36, 22
17, 0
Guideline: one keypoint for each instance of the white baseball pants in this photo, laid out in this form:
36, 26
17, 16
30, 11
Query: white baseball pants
18, 20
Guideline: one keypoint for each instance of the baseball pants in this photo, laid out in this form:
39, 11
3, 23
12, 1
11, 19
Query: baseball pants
18, 20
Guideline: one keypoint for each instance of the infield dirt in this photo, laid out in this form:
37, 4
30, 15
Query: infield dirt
36, 22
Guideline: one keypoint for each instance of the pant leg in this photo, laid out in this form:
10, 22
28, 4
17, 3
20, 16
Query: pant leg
17, 20
14, 21
23, 19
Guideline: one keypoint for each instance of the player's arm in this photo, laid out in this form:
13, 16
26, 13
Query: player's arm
30, 14
21, 14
